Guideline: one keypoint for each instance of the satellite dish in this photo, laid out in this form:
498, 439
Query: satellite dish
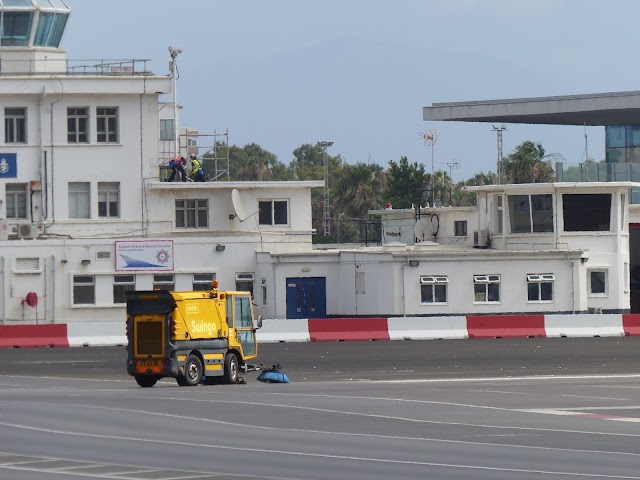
238, 205
421, 231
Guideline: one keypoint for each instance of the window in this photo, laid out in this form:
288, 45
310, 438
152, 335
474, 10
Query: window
84, 290
79, 195
167, 129
244, 282
108, 199
16, 198
587, 212
243, 312
540, 287
15, 125
273, 212
107, 124
192, 213
460, 228
598, 282
16, 27
121, 285
433, 289
486, 288
202, 281
164, 282
50, 28
77, 125
531, 213
263, 285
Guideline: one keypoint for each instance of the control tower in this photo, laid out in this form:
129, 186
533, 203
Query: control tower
30, 35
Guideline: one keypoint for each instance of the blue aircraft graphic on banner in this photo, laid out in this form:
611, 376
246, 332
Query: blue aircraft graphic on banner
8, 165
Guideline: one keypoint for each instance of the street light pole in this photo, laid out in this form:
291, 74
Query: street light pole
174, 52
327, 217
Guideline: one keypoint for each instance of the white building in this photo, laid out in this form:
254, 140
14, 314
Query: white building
83, 213
84, 216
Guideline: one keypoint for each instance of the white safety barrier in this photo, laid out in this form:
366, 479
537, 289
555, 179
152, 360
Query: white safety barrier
96, 334
427, 328
274, 331
604, 325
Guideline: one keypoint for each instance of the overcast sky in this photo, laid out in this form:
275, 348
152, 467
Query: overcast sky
281, 73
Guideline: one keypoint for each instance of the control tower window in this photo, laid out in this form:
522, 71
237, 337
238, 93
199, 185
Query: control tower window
50, 28
16, 28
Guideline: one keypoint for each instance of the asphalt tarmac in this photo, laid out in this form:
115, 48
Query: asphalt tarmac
481, 409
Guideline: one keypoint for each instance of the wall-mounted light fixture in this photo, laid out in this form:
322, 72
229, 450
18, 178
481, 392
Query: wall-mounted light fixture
86, 261
220, 248
414, 263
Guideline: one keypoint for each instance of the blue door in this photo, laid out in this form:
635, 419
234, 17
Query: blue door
307, 297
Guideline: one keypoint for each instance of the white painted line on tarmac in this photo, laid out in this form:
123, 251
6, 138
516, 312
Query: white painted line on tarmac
377, 459
596, 398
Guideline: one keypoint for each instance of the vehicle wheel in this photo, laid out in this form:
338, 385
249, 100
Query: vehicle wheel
181, 381
231, 368
192, 371
146, 381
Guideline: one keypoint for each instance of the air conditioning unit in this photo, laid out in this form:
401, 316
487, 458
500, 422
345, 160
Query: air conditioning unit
480, 238
27, 230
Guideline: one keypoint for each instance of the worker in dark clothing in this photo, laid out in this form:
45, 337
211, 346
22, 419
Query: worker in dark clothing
177, 165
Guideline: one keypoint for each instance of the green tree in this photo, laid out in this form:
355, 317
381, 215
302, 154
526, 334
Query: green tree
253, 163
358, 188
526, 165
462, 198
407, 184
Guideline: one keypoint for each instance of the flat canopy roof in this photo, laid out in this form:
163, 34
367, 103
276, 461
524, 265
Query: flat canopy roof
599, 109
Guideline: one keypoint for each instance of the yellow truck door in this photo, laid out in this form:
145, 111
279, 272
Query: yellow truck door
243, 323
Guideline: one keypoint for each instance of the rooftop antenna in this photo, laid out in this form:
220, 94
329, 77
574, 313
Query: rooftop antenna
499, 131
430, 138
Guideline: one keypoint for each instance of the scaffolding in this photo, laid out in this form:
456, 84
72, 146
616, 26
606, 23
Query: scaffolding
211, 148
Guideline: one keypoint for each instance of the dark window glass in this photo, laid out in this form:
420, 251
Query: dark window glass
265, 215
598, 282
587, 212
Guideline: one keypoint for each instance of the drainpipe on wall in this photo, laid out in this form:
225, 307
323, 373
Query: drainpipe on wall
573, 283
4, 297
53, 289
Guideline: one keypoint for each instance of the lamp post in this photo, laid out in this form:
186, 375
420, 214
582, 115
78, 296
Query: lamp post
174, 52
327, 218
499, 131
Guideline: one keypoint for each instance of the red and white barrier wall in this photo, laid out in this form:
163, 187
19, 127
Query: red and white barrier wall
352, 329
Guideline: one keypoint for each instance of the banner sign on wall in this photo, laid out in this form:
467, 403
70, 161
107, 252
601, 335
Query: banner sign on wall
144, 255
8, 165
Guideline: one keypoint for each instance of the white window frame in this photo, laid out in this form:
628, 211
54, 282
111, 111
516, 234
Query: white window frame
15, 125
272, 202
539, 279
464, 226
486, 280
263, 290
160, 283
90, 283
202, 281
119, 280
434, 282
195, 207
605, 271
245, 277
14, 193
108, 132
80, 135
77, 197
107, 192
